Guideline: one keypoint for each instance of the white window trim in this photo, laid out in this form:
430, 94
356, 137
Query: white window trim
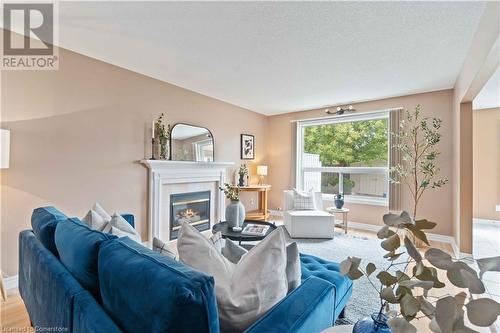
299, 170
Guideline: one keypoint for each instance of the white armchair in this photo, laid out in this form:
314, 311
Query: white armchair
307, 223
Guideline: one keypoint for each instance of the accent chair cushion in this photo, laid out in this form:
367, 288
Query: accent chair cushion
78, 247
44, 221
145, 291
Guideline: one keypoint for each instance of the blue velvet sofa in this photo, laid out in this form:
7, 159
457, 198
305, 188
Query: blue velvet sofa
75, 279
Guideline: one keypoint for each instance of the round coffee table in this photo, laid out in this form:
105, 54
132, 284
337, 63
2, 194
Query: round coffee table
227, 232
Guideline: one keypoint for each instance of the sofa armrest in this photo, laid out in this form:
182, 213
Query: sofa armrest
307, 309
129, 218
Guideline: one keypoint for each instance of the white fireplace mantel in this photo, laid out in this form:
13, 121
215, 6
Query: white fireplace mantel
163, 172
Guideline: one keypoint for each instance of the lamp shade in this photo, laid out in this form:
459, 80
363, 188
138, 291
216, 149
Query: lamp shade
4, 148
262, 170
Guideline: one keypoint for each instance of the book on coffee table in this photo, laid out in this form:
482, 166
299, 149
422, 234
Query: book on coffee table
252, 229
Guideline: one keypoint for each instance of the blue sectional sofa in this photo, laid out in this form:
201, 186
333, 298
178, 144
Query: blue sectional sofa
75, 279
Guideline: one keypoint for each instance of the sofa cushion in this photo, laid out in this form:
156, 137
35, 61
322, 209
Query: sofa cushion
44, 221
326, 270
145, 291
78, 246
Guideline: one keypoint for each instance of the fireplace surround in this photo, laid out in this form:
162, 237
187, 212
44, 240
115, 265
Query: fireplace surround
171, 177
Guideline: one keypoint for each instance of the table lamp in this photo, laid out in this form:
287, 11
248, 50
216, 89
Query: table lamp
4, 148
261, 172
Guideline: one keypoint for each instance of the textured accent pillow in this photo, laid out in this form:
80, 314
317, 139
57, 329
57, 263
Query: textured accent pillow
162, 247
216, 239
99, 210
303, 200
95, 221
293, 269
233, 252
121, 228
245, 291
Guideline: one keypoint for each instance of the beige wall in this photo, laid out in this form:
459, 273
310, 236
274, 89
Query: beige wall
435, 205
486, 163
77, 133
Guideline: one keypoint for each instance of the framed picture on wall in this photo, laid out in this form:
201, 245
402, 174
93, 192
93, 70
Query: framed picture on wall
247, 147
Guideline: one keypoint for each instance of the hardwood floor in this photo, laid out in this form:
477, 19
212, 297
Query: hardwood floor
14, 317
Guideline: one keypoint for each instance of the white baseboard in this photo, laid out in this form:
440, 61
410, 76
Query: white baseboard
11, 282
432, 237
485, 221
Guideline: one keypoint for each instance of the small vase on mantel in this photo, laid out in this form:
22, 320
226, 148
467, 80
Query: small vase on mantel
235, 214
377, 323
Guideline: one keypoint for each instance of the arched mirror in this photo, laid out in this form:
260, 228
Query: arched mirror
191, 143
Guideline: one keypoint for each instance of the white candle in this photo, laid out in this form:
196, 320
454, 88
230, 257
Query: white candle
153, 130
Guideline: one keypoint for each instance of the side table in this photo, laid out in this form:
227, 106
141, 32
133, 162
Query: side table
344, 212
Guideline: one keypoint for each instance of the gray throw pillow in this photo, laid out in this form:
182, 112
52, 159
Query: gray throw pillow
233, 252
293, 270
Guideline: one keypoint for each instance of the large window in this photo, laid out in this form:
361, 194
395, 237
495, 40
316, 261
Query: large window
347, 154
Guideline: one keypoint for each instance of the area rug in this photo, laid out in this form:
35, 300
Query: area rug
364, 299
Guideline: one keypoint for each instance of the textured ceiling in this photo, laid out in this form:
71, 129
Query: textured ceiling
275, 57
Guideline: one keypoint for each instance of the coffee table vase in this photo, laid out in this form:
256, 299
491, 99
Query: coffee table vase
235, 214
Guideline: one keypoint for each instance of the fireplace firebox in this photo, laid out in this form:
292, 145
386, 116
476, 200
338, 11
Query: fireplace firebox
191, 207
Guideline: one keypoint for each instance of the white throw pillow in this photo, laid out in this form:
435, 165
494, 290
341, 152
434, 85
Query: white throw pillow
99, 210
233, 252
303, 200
121, 228
216, 240
94, 221
162, 247
244, 291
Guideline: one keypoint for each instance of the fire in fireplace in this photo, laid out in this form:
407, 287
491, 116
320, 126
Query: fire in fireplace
192, 208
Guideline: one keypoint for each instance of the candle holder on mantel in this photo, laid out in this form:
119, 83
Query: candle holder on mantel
153, 149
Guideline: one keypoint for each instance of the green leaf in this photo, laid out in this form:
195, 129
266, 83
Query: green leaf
409, 305
417, 232
386, 278
345, 266
426, 307
412, 250
394, 220
416, 283
457, 276
354, 274
370, 268
388, 294
483, 312
385, 232
488, 265
446, 313
391, 256
424, 224
391, 243
400, 325
439, 258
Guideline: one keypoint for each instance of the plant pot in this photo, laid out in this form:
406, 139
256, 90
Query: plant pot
373, 324
235, 214
241, 181
339, 203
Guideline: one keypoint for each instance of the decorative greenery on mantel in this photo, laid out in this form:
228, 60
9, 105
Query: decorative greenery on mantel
409, 288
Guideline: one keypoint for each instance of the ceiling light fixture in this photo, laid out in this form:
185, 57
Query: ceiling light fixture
340, 110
